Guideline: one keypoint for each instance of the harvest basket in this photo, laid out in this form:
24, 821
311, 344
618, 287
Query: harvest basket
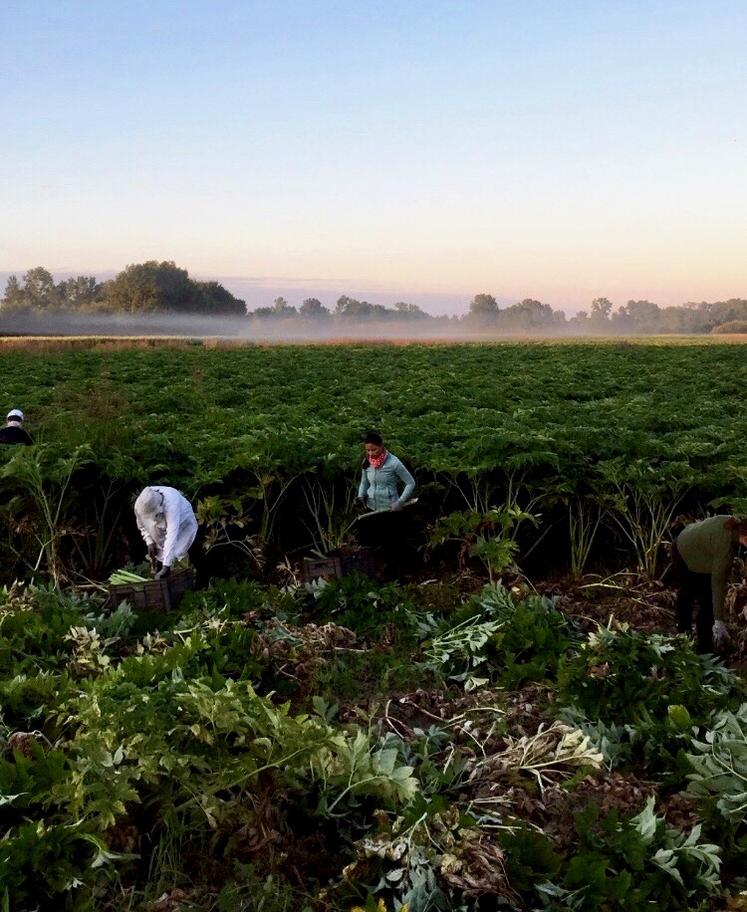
153, 595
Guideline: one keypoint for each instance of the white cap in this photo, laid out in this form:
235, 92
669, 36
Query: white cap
15, 414
149, 502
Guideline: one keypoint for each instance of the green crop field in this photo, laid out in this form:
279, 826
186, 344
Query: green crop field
512, 724
568, 409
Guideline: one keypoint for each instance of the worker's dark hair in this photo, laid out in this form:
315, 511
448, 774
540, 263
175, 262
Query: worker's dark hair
373, 437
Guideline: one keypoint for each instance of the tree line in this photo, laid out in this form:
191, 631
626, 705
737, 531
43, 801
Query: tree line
153, 287
530, 316
603, 318
345, 308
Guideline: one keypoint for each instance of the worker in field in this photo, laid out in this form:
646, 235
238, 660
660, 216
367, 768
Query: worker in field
14, 432
167, 523
385, 487
381, 475
702, 560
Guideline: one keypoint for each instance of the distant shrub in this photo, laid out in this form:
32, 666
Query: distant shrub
733, 326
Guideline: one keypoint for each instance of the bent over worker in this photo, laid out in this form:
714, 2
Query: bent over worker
14, 432
167, 523
702, 559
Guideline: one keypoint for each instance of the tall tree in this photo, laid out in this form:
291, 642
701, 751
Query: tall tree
13, 297
152, 286
80, 293
410, 311
219, 300
282, 308
39, 290
638, 316
483, 306
312, 308
601, 308
351, 308
36, 292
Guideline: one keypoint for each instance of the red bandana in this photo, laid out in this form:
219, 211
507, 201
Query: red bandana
377, 462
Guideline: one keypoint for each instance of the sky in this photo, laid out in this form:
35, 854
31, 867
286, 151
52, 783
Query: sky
413, 150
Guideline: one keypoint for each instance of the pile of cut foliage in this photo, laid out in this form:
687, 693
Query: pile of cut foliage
357, 745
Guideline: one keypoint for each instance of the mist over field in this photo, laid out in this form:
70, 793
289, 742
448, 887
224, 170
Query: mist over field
244, 328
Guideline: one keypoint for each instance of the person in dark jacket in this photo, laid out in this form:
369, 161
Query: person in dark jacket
702, 559
14, 432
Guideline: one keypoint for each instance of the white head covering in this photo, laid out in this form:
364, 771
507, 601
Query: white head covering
15, 415
149, 502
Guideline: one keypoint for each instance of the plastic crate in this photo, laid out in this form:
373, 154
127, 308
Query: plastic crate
154, 595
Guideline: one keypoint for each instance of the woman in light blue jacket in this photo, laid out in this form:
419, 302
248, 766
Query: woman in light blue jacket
382, 472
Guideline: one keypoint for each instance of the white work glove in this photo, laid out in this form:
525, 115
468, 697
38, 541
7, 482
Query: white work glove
397, 506
163, 573
720, 634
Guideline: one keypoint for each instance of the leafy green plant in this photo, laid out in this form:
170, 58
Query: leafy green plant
330, 512
635, 863
585, 516
225, 522
495, 637
45, 476
653, 686
34, 621
619, 674
719, 763
366, 607
645, 501
485, 536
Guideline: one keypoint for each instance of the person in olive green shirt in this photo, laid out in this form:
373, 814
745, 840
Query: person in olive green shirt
702, 559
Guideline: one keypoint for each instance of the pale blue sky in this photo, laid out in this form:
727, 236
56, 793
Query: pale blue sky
558, 150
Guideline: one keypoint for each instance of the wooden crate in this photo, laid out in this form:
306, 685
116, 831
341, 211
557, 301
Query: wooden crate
362, 560
326, 568
335, 566
155, 595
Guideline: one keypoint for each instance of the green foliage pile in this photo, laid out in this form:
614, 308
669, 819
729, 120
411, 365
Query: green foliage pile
718, 780
643, 696
134, 763
166, 729
635, 863
498, 639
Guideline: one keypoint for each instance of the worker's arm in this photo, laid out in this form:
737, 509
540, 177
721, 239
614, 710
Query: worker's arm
406, 479
722, 564
363, 486
719, 586
149, 540
173, 516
